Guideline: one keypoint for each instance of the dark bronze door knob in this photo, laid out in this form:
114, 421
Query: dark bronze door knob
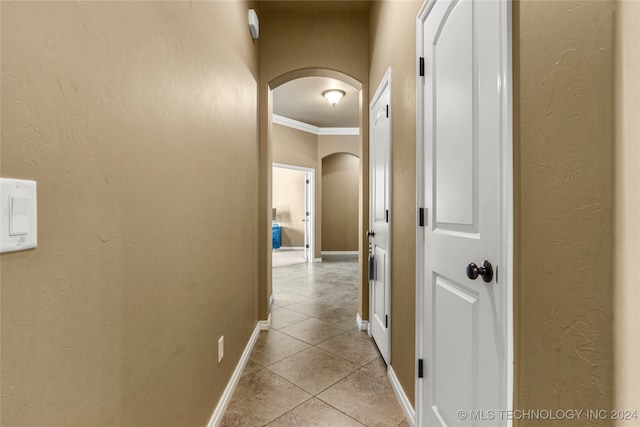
486, 271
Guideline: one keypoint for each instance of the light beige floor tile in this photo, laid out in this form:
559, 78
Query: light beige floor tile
355, 346
286, 257
293, 274
296, 280
378, 366
284, 273
367, 397
312, 331
313, 370
260, 398
313, 308
341, 298
341, 316
343, 279
284, 299
314, 291
251, 367
314, 413
282, 317
273, 346
285, 286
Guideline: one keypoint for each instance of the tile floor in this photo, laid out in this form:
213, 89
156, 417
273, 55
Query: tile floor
314, 367
287, 256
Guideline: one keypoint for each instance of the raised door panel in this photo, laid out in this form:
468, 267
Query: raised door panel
454, 130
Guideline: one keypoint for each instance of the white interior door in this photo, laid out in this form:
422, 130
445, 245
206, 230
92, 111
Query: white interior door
464, 331
379, 221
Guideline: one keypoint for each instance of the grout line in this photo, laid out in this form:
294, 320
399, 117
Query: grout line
292, 409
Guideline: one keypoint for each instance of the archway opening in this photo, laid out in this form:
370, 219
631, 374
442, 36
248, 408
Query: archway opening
360, 149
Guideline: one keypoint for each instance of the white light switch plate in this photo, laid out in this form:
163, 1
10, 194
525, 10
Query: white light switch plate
18, 215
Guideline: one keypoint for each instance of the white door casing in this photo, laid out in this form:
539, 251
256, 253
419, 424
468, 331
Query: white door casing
308, 257
379, 216
309, 200
464, 182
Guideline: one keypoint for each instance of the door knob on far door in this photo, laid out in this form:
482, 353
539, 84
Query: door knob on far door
486, 271
371, 233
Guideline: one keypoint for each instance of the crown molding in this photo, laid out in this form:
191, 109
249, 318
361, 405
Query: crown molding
339, 131
294, 124
305, 127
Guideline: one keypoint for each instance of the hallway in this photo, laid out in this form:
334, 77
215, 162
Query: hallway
314, 367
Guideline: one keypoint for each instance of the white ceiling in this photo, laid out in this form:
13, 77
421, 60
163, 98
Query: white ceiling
302, 100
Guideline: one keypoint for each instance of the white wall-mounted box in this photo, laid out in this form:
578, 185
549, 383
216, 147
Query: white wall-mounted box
254, 24
18, 215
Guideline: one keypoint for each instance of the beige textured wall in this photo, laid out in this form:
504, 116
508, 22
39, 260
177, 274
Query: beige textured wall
393, 44
564, 145
134, 118
626, 297
294, 147
295, 37
288, 199
340, 176
331, 144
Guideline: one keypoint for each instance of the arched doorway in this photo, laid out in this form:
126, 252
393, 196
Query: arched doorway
266, 147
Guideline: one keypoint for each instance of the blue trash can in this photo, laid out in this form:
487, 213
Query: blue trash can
276, 232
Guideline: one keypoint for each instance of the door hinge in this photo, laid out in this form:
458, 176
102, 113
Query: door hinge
387, 111
420, 368
308, 181
306, 246
386, 215
421, 217
421, 67
386, 320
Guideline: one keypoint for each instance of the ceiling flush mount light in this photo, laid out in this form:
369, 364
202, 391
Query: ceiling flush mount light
333, 96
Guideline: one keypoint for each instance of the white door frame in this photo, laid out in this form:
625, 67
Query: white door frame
385, 83
506, 196
312, 214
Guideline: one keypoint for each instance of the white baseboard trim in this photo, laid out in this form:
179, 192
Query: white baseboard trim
406, 405
289, 248
363, 325
317, 260
265, 324
218, 413
339, 252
